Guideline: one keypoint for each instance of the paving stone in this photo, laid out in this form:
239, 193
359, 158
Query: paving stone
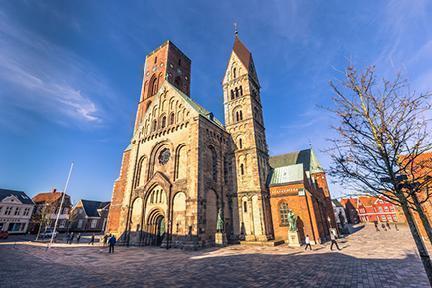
367, 259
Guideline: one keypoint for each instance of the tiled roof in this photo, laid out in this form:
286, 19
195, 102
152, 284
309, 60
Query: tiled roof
242, 52
306, 157
287, 174
47, 197
91, 207
353, 201
18, 194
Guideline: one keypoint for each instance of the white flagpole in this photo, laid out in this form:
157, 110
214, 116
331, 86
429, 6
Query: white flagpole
61, 205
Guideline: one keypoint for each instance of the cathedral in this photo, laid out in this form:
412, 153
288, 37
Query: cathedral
186, 177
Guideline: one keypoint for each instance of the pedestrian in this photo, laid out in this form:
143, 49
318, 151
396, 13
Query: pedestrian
396, 227
105, 239
92, 239
383, 227
376, 226
333, 241
307, 241
71, 238
388, 226
78, 237
111, 242
67, 237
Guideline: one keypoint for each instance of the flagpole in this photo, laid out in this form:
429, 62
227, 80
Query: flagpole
61, 205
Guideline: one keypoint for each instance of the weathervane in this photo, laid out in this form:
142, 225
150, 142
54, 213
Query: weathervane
235, 28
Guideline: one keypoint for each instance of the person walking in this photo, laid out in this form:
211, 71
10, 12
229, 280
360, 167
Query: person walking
71, 238
383, 227
307, 241
92, 239
376, 226
396, 227
105, 239
78, 237
333, 241
388, 226
111, 242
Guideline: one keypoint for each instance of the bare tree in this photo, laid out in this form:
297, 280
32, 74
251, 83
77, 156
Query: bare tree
381, 138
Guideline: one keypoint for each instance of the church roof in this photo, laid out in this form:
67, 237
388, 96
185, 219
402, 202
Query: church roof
306, 157
198, 108
242, 52
287, 174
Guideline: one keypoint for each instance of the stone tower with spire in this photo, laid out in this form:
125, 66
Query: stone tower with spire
244, 121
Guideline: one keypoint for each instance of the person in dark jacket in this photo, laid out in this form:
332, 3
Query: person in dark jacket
78, 237
105, 239
92, 239
111, 242
71, 238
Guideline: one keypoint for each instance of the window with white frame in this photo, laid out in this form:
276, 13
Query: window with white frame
17, 211
8, 210
93, 223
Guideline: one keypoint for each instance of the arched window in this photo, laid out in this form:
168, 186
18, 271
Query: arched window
154, 125
283, 211
236, 93
154, 86
234, 73
241, 169
232, 94
171, 120
178, 82
163, 124
241, 115
237, 116
241, 91
214, 163
240, 143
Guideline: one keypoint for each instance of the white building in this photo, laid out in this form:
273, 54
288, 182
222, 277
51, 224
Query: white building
16, 209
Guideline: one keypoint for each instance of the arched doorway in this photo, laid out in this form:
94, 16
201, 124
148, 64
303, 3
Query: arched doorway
156, 228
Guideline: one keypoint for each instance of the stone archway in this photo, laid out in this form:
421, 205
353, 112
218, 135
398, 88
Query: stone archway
156, 227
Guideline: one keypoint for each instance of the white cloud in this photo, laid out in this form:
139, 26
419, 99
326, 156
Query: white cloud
40, 76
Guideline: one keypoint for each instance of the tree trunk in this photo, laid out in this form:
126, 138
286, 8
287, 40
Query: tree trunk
421, 248
423, 217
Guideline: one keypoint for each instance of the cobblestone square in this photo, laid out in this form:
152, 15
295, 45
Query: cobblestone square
367, 259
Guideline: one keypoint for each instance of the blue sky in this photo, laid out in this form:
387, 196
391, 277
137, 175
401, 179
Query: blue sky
70, 73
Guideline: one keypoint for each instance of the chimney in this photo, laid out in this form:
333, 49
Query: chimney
54, 190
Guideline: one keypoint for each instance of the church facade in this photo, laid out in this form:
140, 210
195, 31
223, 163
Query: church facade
183, 169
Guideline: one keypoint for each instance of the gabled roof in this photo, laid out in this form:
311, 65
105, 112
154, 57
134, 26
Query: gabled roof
20, 195
345, 201
287, 174
242, 52
91, 207
306, 157
48, 196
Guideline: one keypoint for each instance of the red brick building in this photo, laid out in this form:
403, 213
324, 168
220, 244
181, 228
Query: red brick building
298, 183
370, 209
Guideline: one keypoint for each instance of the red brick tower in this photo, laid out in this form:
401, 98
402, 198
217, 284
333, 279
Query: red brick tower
168, 63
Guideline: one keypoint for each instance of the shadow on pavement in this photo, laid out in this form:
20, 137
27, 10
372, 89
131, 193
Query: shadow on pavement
162, 268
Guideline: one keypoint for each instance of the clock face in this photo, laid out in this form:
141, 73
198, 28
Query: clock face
164, 156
